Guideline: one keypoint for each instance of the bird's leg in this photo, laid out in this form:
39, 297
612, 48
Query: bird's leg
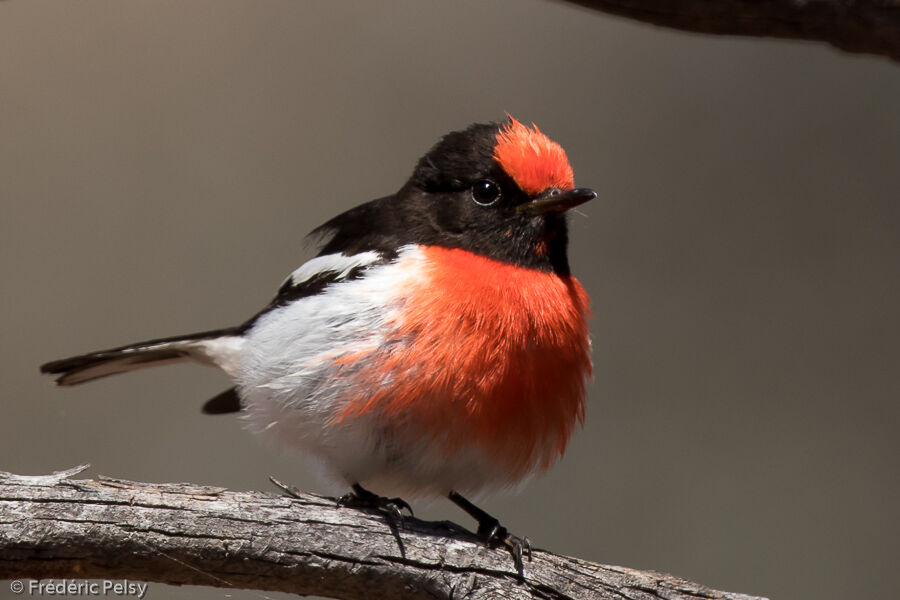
360, 497
493, 533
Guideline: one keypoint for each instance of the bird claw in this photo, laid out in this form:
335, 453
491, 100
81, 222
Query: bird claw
495, 535
363, 498
286, 488
401, 504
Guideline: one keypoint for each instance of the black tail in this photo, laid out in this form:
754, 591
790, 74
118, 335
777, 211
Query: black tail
217, 348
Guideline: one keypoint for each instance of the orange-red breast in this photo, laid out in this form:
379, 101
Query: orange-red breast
437, 345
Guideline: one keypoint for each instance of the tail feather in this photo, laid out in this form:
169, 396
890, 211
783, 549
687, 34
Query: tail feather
219, 348
227, 402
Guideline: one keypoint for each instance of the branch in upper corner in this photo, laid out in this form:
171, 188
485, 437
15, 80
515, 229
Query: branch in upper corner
54, 527
864, 26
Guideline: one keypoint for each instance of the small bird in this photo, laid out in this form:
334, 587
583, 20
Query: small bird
437, 345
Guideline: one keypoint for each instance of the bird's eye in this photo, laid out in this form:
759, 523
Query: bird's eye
485, 192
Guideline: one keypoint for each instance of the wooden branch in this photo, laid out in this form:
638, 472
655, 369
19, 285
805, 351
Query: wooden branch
54, 527
867, 26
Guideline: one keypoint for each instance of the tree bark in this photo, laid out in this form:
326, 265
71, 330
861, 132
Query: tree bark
867, 26
54, 527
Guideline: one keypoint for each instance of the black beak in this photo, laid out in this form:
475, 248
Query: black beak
557, 201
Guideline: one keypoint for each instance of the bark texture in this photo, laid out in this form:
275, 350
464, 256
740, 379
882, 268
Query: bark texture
867, 26
55, 527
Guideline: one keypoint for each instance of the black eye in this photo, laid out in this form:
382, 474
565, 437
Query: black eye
485, 192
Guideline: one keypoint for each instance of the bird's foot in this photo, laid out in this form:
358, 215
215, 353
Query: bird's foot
495, 535
360, 497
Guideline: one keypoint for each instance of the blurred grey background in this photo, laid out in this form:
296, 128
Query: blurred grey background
161, 161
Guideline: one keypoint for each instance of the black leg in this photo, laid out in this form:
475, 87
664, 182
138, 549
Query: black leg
360, 497
493, 533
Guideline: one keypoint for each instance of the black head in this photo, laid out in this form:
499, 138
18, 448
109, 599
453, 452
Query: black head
499, 190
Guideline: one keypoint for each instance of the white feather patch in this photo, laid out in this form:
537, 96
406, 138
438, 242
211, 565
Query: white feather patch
333, 263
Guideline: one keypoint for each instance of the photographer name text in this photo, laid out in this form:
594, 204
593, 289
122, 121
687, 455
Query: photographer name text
79, 587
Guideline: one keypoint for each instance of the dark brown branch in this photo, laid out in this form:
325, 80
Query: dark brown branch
54, 527
867, 26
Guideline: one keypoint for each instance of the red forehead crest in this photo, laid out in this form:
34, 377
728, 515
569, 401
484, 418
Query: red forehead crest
534, 161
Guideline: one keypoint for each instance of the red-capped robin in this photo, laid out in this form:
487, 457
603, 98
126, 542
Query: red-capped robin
436, 345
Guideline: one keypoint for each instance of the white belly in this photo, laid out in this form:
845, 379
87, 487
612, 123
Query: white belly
294, 391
